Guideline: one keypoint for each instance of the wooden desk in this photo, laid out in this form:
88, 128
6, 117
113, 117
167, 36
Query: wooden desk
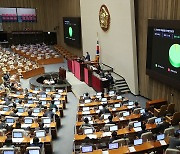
156, 103
33, 72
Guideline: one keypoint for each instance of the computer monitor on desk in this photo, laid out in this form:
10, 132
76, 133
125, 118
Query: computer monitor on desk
126, 114
88, 131
28, 120
137, 142
113, 146
35, 151
160, 137
8, 152
85, 149
10, 120
158, 120
17, 134
40, 133
137, 124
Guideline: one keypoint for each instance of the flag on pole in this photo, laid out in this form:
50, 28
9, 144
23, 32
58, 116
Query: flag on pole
97, 50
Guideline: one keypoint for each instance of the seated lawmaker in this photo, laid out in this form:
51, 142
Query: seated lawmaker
110, 118
174, 142
104, 110
36, 142
86, 124
113, 137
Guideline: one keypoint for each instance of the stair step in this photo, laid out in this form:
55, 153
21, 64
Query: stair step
125, 91
123, 88
121, 85
119, 82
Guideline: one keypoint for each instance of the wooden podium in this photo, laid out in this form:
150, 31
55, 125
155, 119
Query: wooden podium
62, 73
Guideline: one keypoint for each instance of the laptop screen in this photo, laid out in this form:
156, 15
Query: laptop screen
8, 152
17, 134
43, 102
48, 90
111, 92
157, 120
20, 110
40, 134
130, 103
85, 108
30, 101
34, 151
43, 95
160, 137
104, 100
30, 95
88, 131
85, 149
142, 111
137, 124
117, 105
57, 102
28, 121
87, 101
36, 89
46, 120
16, 100
113, 128
36, 110
125, 114
9, 120
119, 97
137, 142
113, 146
5, 109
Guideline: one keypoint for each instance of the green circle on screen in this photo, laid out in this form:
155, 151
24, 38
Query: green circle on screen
70, 31
174, 55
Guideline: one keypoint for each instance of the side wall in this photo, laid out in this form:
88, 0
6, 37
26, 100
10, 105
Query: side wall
117, 45
155, 9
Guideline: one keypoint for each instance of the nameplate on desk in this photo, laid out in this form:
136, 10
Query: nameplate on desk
121, 118
132, 149
106, 134
105, 152
81, 105
86, 112
92, 136
163, 142
137, 129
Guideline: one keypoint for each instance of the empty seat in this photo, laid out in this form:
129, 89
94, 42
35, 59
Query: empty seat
147, 136
169, 131
172, 151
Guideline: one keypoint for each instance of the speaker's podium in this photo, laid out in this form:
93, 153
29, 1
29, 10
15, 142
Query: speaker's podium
62, 73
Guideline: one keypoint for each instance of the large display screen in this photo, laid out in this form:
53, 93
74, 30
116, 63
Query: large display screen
163, 52
18, 15
72, 31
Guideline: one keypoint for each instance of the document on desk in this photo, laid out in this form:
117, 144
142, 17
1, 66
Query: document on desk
97, 111
85, 112
104, 79
92, 136
106, 134
91, 122
81, 105
137, 129
130, 107
25, 125
121, 118
17, 140
113, 109
163, 142
132, 149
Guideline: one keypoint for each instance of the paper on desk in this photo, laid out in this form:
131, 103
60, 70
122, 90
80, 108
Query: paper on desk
91, 122
132, 149
92, 136
163, 142
86, 112
113, 109
106, 134
106, 121
121, 118
105, 152
35, 92
130, 107
137, 129
97, 111
81, 104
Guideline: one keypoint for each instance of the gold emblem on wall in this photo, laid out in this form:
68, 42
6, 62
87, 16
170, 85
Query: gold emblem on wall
104, 18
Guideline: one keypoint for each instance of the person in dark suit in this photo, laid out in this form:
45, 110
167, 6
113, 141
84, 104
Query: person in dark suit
104, 110
86, 124
143, 126
36, 142
113, 137
174, 142
110, 118
87, 58
162, 126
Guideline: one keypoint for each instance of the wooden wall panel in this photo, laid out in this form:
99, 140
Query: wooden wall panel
155, 9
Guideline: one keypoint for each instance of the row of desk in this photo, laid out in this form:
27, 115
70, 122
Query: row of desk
100, 136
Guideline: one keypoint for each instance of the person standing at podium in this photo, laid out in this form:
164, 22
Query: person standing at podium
87, 58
